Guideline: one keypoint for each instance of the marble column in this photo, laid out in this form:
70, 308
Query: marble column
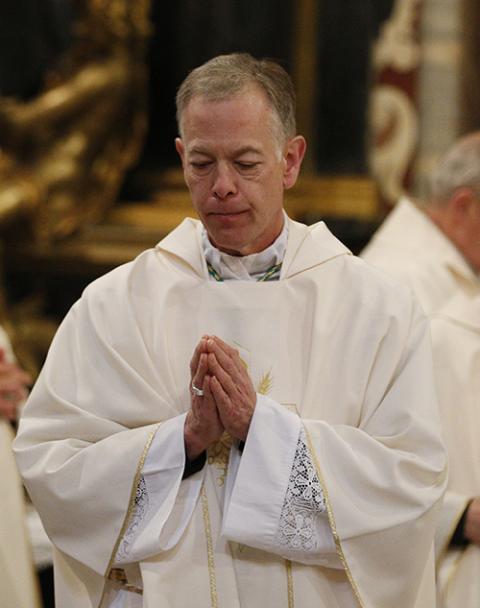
439, 90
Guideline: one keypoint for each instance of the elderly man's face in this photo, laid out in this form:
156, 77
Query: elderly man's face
237, 170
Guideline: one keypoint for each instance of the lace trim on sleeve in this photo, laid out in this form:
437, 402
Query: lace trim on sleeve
138, 517
304, 503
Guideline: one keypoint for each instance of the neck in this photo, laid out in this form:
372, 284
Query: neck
247, 267
456, 232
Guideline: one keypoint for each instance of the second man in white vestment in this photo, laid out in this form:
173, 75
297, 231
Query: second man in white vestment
436, 251
456, 345
243, 416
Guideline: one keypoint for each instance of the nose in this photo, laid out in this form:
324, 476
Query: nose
224, 184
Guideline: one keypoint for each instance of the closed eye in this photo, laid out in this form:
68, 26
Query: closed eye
245, 166
201, 164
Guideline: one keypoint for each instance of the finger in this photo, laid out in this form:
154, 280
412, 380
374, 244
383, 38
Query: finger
10, 386
204, 408
7, 368
221, 398
14, 396
208, 395
206, 401
17, 376
195, 359
200, 348
208, 398
201, 370
24, 377
8, 409
225, 378
230, 363
229, 350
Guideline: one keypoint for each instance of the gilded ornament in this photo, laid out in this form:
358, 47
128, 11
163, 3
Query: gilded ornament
266, 384
219, 455
65, 152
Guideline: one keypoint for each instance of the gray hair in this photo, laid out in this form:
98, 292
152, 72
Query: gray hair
458, 168
225, 75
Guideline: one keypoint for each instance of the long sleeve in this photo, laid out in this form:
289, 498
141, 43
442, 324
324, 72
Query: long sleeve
274, 500
88, 427
164, 502
379, 473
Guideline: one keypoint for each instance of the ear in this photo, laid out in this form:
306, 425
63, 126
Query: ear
462, 204
180, 147
293, 157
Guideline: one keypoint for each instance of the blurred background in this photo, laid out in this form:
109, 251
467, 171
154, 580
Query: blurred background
88, 171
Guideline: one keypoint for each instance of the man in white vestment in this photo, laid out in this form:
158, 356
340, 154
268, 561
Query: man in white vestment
18, 583
245, 415
436, 250
434, 247
456, 343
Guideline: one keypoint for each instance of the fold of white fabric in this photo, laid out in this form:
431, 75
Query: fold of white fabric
347, 351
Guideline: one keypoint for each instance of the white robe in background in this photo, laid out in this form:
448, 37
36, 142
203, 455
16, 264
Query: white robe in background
456, 344
411, 248
337, 355
18, 583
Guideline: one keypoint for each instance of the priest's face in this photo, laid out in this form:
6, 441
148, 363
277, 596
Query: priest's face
237, 165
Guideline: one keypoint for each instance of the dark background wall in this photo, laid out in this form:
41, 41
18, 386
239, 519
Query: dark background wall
346, 31
191, 32
34, 33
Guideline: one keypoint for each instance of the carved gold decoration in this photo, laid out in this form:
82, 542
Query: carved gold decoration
392, 113
397, 45
64, 153
394, 125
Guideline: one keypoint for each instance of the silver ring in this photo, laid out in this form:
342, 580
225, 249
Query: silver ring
197, 391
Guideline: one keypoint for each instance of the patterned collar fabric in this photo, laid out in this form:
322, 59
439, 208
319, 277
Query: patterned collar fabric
263, 266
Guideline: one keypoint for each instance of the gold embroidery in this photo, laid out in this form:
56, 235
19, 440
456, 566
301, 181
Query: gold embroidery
291, 597
219, 454
451, 573
133, 493
266, 383
210, 553
291, 407
131, 505
331, 520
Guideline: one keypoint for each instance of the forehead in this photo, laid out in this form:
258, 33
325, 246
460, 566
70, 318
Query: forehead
243, 115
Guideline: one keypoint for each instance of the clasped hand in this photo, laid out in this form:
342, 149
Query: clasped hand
13, 387
229, 397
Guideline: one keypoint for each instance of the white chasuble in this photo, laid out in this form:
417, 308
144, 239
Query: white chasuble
456, 348
410, 247
337, 356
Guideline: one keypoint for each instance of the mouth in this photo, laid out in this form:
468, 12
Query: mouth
228, 213
227, 217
